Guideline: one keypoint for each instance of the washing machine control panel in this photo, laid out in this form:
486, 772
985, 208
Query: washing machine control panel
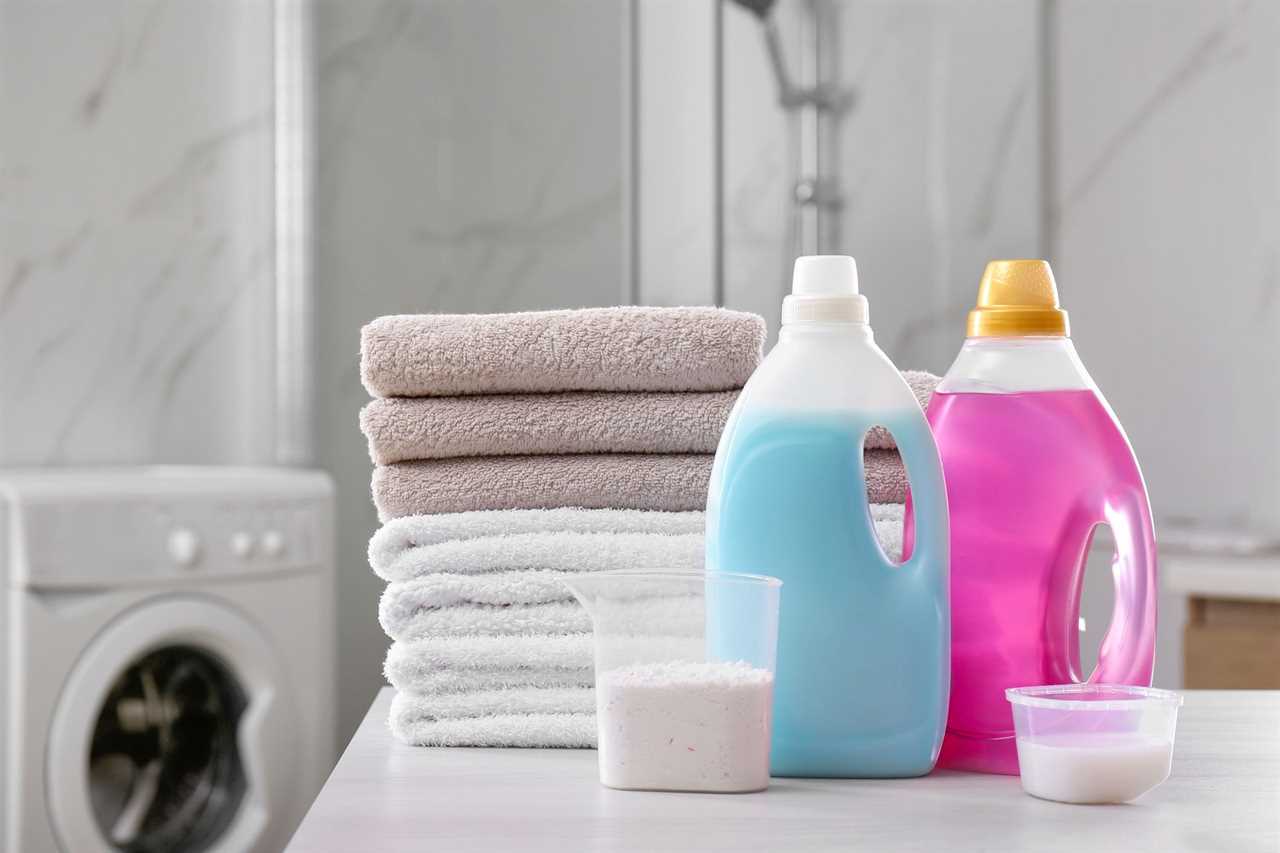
100, 538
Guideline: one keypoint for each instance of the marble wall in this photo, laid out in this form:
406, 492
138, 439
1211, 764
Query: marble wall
136, 232
1165, 212
470, 158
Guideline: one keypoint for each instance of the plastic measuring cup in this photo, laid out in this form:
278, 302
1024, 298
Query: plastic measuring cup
1093, 743
679, 707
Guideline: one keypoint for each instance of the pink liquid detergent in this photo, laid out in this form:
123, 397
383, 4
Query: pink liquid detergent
1034, 462
1029, 477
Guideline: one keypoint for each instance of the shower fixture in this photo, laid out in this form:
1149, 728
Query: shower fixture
822, 95
815, 104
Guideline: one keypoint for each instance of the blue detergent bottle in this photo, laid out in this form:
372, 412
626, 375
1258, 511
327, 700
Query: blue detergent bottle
863, 667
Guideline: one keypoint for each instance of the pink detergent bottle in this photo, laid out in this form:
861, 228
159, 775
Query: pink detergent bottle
1034, 461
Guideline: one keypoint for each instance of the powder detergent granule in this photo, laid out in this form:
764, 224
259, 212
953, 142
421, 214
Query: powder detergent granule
685, 726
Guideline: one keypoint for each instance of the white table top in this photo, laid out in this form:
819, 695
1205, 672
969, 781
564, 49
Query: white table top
1224, 794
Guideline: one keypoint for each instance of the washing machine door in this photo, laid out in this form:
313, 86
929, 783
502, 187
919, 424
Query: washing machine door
173, 733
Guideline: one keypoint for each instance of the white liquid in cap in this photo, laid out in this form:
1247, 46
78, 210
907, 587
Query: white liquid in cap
1093, 767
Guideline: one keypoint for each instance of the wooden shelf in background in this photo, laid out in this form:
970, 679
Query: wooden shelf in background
1231, 644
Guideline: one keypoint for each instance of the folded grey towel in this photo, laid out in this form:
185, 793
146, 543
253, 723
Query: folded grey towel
403, 428
662, 481
922, 385
886, 477
590, 349
593, 481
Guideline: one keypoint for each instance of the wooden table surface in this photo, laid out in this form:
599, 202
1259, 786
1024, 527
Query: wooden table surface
384, 797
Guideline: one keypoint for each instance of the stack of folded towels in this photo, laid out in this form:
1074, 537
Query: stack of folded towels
511, 449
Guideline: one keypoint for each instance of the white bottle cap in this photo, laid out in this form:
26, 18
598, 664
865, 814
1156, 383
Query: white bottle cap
824, 289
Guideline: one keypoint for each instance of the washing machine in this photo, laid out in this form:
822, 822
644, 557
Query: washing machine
167, 667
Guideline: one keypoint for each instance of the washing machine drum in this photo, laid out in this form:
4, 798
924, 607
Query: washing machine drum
173, 734
164, 765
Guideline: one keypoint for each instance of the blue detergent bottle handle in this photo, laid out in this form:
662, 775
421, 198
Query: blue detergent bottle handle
927, 543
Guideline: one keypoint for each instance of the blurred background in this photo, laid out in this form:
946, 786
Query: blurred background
202, 201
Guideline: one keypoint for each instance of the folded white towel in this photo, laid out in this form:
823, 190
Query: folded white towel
499, 588
454, 664
396, 551
515, 717
423, 680
485, 703
411, 530
423, 608
558, 550
523, 716
527, 680
886, 512
403, 621
533, 731
585, 540
887, 520
458, 664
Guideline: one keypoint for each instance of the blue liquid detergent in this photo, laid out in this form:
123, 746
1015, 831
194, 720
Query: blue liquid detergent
863, 644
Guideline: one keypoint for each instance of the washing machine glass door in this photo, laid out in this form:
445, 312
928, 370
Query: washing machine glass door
173, 733
164, 765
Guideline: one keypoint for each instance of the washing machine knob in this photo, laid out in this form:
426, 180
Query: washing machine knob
184, 546
273, 543
241, 544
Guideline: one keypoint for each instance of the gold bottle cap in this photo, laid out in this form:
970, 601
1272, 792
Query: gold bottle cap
1017, 298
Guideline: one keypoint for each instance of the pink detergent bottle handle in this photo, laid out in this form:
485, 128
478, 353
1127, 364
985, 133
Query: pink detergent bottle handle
1127, 655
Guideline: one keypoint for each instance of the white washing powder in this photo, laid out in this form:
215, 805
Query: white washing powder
685, 726
1093, 767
